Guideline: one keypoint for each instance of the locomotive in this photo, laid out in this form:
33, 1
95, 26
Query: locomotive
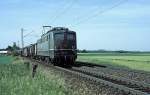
58, 46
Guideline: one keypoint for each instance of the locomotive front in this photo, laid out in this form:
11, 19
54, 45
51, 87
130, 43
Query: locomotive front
65, 46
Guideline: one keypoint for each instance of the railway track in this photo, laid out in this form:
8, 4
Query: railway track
134, 85
128, 87
78, 63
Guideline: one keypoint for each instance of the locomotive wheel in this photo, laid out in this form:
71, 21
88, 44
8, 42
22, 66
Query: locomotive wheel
47, 60
53, 62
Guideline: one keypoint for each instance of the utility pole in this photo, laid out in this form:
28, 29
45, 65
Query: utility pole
22, 39
18, 44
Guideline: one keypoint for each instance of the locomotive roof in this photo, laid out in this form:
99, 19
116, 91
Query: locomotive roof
58, 29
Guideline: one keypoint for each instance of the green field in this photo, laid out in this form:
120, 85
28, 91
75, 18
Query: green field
137, 61
16, 79
6, 59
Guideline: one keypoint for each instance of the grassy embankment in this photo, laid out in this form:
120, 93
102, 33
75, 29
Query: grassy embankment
16, 79
137, 61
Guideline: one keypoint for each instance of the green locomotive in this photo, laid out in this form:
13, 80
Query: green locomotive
57, 46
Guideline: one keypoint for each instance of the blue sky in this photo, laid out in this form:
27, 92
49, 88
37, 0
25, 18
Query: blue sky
125, 27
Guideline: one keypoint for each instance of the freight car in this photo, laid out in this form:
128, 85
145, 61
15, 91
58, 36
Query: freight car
33, 50
57, 46
25, 51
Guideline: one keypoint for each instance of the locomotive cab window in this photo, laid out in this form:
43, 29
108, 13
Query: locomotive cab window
64, 40
59, 38
71, 40
70, 36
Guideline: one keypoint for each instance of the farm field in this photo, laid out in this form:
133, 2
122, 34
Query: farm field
6, 59
16, 79
137, 61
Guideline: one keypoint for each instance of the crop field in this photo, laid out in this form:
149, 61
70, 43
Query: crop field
16, 79
137, 61
6, 59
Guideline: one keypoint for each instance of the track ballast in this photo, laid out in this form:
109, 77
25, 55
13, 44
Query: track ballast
127, 86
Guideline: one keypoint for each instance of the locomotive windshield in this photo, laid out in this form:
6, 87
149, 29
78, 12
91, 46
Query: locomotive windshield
71, 41
65, 41
59, 38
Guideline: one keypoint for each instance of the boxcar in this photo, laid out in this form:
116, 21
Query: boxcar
33, 48
26, 51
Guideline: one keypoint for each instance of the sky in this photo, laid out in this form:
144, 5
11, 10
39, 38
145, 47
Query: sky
99, 24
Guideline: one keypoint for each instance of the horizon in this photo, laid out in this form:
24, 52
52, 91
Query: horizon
100, 24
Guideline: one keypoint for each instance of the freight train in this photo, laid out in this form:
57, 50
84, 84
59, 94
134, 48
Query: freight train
58, 46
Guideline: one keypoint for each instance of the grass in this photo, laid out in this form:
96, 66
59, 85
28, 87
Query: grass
6, 59
131, 61
16, 79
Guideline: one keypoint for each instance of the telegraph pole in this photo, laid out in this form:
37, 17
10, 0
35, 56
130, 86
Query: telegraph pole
22, 39
18, 44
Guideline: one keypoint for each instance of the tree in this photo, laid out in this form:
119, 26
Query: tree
12, 48
9, 48
15, 47
84, 51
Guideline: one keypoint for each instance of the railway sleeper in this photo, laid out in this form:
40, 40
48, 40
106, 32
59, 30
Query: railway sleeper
128, 83
103, 82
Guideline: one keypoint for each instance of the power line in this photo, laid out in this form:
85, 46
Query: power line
56, 12
86, 14
100, 12
69, 6
27, 43
34, 35
28, 34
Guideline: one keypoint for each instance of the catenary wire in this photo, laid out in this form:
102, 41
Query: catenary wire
65, 10
99, 13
